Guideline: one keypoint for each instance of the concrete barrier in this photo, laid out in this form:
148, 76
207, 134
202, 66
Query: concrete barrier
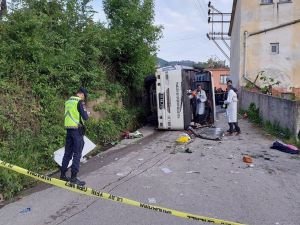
275, 109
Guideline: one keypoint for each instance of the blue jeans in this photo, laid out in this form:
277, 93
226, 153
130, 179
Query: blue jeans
73, 149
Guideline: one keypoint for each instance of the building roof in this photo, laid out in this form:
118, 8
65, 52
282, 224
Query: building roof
232, 16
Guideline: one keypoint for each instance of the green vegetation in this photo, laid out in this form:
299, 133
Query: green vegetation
272, 128
50, 48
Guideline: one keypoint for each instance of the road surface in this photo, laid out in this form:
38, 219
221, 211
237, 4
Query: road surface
212, 181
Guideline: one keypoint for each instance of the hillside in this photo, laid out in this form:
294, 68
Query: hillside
47, 51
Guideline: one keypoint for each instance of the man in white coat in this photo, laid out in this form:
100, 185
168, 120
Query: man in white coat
231, 110
201, 99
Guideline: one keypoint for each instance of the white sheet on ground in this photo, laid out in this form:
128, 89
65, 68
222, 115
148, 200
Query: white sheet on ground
88, 147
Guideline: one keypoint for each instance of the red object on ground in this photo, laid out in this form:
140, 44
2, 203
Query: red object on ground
247, 159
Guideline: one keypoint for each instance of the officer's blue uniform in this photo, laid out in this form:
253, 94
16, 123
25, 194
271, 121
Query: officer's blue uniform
74, 143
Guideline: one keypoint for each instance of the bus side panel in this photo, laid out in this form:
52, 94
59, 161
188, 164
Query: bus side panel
169, 99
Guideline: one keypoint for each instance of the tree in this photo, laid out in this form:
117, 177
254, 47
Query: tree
212, 63
131, 42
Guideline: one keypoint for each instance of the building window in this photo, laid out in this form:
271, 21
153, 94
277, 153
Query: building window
275, 48
223, 79
266, 1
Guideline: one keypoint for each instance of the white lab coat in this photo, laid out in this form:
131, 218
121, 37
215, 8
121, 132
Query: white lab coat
201, 105
231, 103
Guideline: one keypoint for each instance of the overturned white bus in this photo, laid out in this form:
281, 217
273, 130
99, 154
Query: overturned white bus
175, 110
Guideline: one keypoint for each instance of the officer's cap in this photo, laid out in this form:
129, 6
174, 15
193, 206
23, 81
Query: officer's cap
84, 91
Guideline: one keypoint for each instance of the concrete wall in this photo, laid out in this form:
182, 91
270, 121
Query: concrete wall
274, 109
252, 16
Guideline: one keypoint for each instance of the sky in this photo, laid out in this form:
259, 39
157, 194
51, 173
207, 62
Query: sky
185, 28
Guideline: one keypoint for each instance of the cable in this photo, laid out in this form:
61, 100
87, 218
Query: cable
199, 11
202, 7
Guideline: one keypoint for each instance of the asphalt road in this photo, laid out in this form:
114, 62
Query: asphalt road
212, 181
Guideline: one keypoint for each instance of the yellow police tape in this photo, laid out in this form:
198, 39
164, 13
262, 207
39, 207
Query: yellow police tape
91, 192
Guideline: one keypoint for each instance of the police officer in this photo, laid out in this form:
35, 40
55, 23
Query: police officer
75, 114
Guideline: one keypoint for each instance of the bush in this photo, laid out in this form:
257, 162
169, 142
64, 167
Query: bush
48, 49
253, 114
272, 128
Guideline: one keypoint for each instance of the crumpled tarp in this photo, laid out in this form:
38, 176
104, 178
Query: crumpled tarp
209, 133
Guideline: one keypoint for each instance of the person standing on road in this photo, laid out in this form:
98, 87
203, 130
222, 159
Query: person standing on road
201, 99
229, 82
231, 110
75, 114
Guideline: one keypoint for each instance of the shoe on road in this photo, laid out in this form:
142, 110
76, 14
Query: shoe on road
74, 180
64, 178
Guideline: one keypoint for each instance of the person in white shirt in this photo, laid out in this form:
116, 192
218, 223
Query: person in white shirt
201, 99
231, 110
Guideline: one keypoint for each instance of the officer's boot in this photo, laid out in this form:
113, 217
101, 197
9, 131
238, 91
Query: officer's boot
63, 176
75, 180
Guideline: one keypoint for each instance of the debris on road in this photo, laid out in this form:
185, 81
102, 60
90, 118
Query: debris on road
166, 170
141, 159
88, 147
247, 159
84, 160
183, 139
279, 145
208, 133
128, 135
230, 157
26, 210
121, 174
188, 151
192, 171
152, 200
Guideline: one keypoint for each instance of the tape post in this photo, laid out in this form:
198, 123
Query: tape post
94, 193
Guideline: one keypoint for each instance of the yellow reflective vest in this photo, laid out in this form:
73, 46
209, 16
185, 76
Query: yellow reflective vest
72, 115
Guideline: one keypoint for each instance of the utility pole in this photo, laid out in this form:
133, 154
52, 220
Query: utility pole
217, 17
3, 8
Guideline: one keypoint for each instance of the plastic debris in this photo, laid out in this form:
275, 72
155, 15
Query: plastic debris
152, 200
189, 172
120, 174
26, 210
166, 170
84, 160
183, 139
141, 159
136, 134
88, 147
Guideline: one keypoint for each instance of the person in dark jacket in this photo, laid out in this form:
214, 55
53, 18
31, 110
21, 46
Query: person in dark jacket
75, 115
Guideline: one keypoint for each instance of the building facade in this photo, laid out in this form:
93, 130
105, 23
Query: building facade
220, 76
265, 42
